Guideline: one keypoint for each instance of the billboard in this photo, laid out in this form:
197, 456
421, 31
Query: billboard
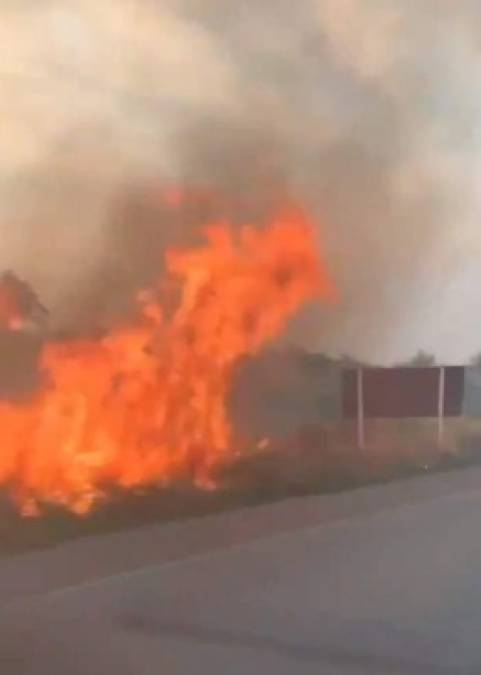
404, 392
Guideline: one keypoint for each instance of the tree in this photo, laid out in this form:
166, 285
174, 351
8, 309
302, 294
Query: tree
476, 360
421, 360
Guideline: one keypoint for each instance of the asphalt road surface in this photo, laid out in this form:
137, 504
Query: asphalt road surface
382, 580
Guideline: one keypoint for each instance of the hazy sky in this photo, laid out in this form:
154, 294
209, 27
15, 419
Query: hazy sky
369, 109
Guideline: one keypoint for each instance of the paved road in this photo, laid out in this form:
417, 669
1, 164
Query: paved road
384, 580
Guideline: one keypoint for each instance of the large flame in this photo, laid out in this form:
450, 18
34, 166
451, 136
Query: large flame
147, 403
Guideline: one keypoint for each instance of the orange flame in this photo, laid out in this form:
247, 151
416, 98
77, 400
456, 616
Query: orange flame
147, 404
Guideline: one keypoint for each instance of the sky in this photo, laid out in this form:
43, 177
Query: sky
369, 110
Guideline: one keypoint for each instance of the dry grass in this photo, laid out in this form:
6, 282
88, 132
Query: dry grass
326, 458
318, 459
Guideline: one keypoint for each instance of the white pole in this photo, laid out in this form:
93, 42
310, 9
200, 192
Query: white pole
360, 410
441, 394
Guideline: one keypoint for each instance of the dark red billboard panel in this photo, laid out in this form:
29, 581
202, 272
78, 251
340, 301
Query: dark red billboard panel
403, 392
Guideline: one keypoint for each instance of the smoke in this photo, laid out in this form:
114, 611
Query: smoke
368, 109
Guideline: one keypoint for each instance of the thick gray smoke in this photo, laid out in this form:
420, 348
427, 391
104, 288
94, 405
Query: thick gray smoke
368, 109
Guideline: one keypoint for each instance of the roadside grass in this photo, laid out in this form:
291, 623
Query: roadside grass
315, 460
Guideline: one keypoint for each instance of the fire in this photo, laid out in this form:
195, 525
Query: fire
146, 404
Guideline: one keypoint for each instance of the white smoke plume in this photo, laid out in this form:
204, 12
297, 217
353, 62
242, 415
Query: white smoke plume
367, 108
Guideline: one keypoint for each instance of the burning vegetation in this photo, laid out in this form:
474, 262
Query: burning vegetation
146, 403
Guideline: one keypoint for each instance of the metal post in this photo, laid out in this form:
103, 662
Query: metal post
360, 410
441, 394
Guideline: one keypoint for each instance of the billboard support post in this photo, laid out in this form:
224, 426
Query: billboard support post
360, 410
441, 393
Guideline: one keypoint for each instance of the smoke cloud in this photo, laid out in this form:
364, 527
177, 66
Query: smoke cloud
368, 109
